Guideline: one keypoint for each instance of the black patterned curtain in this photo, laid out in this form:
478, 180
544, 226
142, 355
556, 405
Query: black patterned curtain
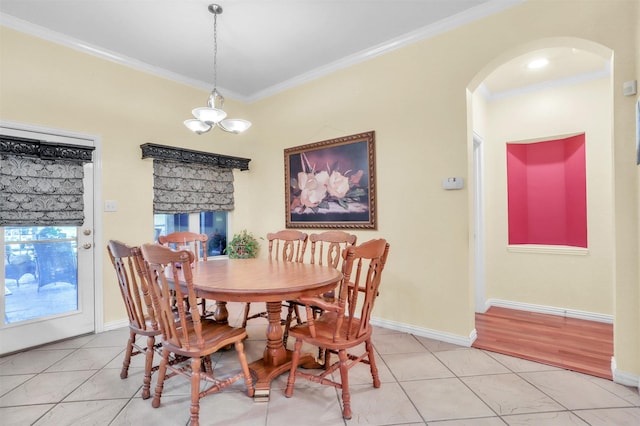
191, 188
41, 183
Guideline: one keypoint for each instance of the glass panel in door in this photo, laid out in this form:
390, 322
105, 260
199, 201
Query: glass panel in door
41, 272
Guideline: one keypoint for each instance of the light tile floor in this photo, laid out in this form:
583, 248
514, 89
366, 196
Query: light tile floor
424, 381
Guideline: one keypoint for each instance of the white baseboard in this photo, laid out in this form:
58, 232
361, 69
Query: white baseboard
114, 325
624, 378
425, 332
551, 310
392, 325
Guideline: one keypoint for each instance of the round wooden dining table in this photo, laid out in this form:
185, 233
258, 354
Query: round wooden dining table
269, 281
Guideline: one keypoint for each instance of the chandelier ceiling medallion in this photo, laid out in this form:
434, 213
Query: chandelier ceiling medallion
206, 118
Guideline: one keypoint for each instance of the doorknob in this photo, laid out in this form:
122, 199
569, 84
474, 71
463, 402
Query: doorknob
86, 246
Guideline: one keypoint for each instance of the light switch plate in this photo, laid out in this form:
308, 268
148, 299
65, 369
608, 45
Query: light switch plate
630, 88
110, 206
452, 183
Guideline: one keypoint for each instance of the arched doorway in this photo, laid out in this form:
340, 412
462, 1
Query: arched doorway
511, 103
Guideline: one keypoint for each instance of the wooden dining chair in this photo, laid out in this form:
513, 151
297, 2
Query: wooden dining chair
285, 246
132, 281
195, 242
188, 335
326, 249
342, 328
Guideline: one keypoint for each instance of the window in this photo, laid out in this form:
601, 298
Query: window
213, 224
547, 192
197, 182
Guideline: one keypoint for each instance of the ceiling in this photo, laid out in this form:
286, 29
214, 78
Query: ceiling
263, 46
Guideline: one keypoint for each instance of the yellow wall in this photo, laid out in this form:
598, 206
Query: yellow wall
570, 279
421, 221
414, 98
48, 85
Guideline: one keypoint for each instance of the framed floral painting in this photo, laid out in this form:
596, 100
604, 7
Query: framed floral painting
331, 184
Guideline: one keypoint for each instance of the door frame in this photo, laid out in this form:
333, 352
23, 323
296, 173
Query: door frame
98, 250
478, 225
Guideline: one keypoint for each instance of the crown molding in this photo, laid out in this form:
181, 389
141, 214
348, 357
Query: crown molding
78, 45
440, 27
545, 85
473, 14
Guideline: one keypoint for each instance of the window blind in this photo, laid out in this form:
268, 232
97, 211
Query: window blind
191, 188
41, 183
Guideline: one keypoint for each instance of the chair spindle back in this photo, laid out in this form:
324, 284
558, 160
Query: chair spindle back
195, 242
133, 285
163, 264
362, 273
326, 247
287, 245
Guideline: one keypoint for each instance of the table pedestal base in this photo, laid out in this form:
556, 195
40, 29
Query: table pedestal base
266, 373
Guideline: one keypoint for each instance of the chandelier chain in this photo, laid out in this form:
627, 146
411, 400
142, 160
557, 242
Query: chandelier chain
215, 50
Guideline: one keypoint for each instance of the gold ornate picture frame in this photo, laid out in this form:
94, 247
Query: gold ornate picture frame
331, 184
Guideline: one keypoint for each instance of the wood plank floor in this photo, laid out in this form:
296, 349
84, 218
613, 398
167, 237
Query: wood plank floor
574, 344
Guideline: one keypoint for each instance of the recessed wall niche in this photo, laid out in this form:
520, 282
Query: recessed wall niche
547, 192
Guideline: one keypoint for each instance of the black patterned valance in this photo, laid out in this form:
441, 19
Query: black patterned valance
41, 183
191, 188
45, 150
170, 153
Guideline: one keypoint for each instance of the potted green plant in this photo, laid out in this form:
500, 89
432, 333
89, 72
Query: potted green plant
242, 246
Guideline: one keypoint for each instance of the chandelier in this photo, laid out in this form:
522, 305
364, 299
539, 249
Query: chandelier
206, 118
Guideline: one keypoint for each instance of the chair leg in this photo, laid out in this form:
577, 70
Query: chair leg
203, 305
372, 364
148, 364
296, 309
344, 378
207, 366
292, 309
287, 324
195, 391
247, 306
295, 359
327, 358
162, 372
321, 351
127, 355
242, 357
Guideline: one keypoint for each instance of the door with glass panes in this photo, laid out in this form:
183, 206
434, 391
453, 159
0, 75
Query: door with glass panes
48, 272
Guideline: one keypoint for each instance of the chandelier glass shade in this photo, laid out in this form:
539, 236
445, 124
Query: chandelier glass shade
206, 118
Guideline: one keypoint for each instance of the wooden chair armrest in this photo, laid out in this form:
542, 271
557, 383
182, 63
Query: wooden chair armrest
317, 302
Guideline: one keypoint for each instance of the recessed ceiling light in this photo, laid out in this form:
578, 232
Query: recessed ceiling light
538, 63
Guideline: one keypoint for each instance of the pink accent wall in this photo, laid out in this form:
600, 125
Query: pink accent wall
547, 192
